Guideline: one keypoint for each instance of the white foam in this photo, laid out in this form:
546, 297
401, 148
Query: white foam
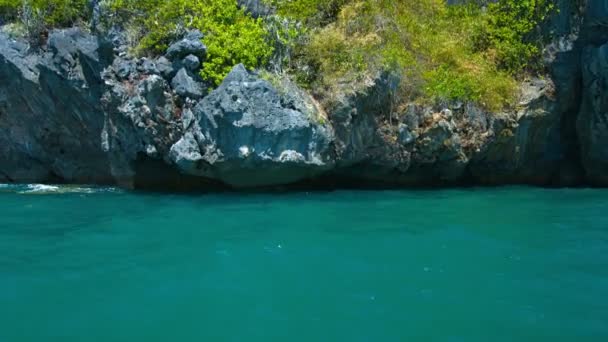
34, 188
64, 189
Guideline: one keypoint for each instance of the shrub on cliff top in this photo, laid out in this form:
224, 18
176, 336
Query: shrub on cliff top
443, 52
425, 41
312, 12
467, 52
53, 13
509, 33
232, 36
8, 10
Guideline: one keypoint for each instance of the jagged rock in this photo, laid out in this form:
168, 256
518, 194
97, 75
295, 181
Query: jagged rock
184, 85
141, 123
166, 68
249, 133
191, 62
124, 68
146, 121
477, 119
406, 136
148, 66
190, 45
186, 154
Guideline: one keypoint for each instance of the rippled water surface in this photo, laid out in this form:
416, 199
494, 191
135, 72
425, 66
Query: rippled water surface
511, 264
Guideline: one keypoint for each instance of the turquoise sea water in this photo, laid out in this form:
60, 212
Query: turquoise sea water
510, 264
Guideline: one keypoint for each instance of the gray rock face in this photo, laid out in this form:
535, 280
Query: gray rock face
141, 123
50, 112
148, 66
524, 146
463, 143
185, 86
166, 68
83, 111
125, 68
406, 137
595, 28
592, 122
186, 154
248, 133
191, 62
438, 155
357, 119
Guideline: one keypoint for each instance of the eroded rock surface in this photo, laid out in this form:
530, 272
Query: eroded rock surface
82, 110
249, 133
50, 111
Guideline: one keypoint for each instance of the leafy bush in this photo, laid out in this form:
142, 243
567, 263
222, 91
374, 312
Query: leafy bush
442, 52
53, 13
470, 52
510, 33
231, 35
312, 12
9, 9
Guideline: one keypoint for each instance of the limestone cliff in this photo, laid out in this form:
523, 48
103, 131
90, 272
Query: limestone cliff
82, 110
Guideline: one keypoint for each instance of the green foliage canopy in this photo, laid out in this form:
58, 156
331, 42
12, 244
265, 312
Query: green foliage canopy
232, 36
468, 52
54, 13
458, 52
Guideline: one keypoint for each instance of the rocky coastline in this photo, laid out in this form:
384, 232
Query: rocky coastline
82, 110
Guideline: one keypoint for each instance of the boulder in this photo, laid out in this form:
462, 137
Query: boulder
248, 133
148, 66
124, 68
191, 62
184, 85
406, 136
191, 44
165, 68
186, 154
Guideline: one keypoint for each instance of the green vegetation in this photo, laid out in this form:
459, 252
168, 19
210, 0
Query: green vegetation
33, 18
510, 31
476, 51
311, 12
53, 13
441, 52
231, 35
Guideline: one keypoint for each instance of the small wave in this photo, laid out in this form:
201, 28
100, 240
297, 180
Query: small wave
43, 189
